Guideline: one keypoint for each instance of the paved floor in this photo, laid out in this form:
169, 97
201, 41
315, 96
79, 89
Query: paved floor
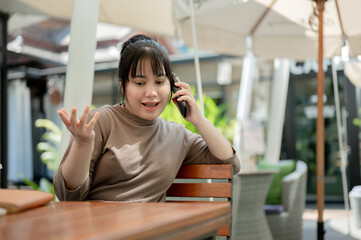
339, 223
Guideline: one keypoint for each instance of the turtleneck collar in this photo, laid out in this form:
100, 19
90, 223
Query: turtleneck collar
137, 120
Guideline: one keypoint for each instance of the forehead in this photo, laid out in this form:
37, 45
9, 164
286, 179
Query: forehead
148, 63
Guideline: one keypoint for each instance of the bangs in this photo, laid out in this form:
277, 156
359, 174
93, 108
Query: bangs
157, 62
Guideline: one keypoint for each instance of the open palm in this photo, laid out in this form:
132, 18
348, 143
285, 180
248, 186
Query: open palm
81, 131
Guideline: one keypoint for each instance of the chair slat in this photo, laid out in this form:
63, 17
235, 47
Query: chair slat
222, 190
224, 231
207, 190
204, 171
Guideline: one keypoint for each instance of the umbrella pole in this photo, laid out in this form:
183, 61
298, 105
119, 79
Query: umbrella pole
341, 144
320, 126
196, 58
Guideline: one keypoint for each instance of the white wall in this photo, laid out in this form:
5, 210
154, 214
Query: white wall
20, 152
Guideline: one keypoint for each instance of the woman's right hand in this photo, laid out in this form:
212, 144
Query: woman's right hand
81, 131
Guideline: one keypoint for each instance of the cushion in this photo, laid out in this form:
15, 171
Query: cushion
274, 195
273, 209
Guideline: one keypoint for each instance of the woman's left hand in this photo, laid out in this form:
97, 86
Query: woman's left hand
194, 114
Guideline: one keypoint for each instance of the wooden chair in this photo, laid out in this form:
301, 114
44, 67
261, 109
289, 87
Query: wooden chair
188, 186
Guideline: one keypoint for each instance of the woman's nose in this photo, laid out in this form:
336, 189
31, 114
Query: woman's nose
150, 91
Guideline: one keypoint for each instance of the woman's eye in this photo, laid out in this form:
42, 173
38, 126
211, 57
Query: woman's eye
160, 82
139, 83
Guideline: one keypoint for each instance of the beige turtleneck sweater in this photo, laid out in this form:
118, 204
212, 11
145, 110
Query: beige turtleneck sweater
136, 159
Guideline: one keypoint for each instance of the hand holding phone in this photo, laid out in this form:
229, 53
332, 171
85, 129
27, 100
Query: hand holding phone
181, 105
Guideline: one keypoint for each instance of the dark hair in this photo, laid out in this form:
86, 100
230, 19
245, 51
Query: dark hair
137, 49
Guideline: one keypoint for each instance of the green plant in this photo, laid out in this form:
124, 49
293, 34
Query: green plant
49, 149
50, 154
214, 113
357, 121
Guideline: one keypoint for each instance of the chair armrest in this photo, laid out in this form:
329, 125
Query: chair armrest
289, 192
294, 187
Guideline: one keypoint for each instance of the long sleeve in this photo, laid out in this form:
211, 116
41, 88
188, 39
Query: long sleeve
198, 152
82, 191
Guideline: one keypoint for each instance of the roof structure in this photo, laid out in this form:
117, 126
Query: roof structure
47, 41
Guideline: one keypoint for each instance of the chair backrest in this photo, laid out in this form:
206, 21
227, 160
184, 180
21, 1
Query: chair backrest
294, 188
188, 185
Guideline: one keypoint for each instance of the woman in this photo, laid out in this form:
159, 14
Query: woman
126, 152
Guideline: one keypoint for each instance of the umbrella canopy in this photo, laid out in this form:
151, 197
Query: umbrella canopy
138, 14
279, 28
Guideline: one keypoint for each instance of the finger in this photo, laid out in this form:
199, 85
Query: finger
73, 120
183, 85
188, 87
186, 98
181, 92
175, 95
92, 122
84, 117
65, 112
64, 118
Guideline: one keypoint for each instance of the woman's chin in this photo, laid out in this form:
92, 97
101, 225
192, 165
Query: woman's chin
150, 114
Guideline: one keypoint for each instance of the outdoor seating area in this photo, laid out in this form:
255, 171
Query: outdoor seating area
180, 119
257, 214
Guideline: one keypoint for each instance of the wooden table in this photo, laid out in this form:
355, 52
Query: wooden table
108, 220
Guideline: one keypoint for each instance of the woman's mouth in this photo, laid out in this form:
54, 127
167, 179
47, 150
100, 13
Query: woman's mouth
150, 106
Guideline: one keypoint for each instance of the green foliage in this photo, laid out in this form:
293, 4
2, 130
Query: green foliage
49, 149
357, 121
171, 113
214, 113
28, 182
50, 154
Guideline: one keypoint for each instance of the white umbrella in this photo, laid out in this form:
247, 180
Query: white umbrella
153, 16
279, 28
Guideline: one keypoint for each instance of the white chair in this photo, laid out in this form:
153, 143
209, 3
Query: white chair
288, 224
249, 194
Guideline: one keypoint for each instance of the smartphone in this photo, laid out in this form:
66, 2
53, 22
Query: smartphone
181, 105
